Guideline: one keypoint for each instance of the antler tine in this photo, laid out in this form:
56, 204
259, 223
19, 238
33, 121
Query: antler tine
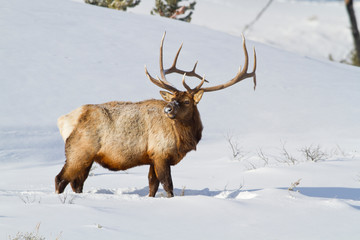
162, 72
246, 64
241, 75
254, 69
185, 85
173, 66
160, 83
194, 90
200, 85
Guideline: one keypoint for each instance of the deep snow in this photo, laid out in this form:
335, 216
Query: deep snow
56, 56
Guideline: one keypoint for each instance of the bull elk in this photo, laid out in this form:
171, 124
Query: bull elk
122, 135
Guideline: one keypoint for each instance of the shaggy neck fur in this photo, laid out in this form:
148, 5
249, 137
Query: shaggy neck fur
188, 133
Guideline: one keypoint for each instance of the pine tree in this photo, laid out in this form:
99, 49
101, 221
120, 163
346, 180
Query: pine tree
172, 9
115, 4
123, 4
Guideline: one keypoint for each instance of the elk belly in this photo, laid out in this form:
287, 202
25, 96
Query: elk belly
116, 162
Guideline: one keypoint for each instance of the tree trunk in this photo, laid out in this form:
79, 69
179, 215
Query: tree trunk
354, 28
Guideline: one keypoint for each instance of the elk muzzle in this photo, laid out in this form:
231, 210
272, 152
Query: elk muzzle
171, 109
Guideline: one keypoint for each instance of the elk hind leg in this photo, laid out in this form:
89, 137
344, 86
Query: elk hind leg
78, 183
60, 181
76, 170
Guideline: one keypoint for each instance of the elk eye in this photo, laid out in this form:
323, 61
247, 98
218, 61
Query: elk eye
186, 102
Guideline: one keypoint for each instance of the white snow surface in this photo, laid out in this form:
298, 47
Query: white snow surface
58, 55
315, 28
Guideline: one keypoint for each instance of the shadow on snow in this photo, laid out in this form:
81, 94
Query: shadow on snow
341, 193
143, 192
331, 192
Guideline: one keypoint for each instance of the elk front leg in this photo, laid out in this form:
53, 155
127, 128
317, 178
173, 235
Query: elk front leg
163, 174
153, 182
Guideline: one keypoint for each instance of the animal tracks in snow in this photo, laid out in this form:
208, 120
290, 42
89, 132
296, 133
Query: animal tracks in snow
141, 193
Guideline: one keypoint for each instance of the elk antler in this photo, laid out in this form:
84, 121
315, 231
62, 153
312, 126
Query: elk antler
173, 68
163, 83
241, 75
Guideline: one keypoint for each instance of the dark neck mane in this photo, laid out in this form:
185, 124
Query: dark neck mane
188, 133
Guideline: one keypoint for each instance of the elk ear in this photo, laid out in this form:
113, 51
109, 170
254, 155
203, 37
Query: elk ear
198, 96
166, 96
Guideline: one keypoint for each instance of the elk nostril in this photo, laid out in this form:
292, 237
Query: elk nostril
168, 109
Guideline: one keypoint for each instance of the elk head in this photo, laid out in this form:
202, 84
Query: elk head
182, 103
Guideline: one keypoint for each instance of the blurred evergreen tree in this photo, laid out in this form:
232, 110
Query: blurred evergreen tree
174, 9
115, 4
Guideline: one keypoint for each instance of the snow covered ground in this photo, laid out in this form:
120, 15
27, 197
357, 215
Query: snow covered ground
315, 28
58, 55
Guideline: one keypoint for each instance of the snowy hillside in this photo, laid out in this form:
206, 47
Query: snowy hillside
58, 55
315, 28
